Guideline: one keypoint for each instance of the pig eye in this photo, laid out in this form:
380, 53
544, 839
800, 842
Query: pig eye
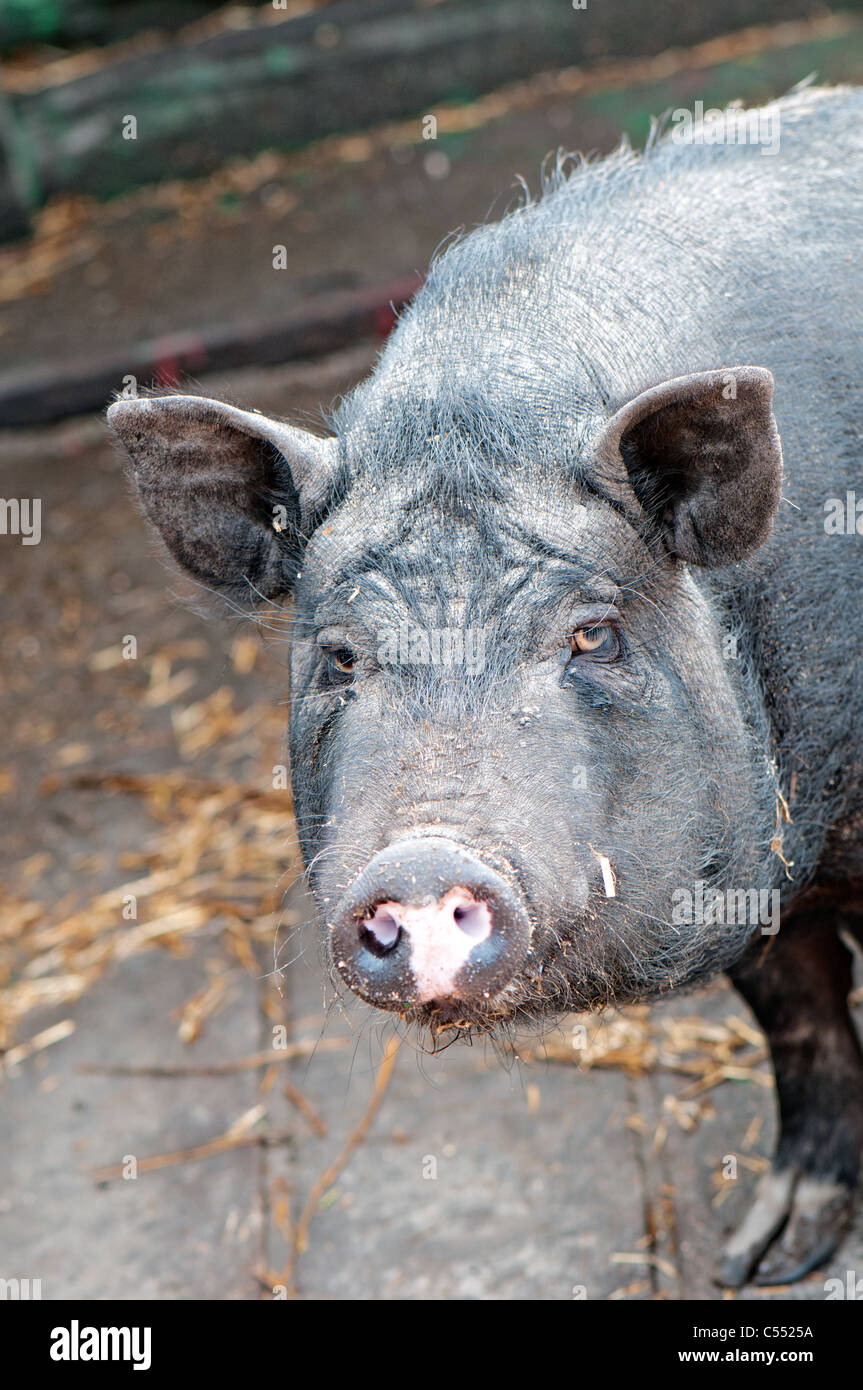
339, 664
600, 643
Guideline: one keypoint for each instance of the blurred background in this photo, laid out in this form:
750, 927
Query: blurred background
242, 198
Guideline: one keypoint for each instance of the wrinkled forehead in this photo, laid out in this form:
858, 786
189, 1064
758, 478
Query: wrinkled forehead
385, 538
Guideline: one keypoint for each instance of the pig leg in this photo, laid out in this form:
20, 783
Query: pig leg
797, 986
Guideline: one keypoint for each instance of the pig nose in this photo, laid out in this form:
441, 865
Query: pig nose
426, 921
441, 936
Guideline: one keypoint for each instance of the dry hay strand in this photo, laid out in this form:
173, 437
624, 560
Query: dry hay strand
256, 1061
637, 1042
216, 869
242, 1133
325, 1180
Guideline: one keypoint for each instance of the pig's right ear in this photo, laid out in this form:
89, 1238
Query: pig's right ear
230, 492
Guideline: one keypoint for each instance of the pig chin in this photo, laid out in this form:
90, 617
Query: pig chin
461, 1017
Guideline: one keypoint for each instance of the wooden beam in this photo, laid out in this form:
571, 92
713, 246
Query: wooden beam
353, 64
332, 321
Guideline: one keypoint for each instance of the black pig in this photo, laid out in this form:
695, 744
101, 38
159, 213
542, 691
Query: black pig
576, 685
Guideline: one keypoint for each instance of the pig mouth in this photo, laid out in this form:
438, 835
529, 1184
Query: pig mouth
448, 1021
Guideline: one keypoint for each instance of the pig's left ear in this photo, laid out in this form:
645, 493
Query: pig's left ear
231, 492
702, 461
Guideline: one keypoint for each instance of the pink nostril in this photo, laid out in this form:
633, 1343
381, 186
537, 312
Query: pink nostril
445, 931
383, 927
474, 919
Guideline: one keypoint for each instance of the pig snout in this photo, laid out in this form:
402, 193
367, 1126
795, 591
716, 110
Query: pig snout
428, 922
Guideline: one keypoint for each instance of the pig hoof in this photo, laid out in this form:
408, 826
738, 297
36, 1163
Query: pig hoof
733, 1271
763, 1221
793, 1226
821, 1212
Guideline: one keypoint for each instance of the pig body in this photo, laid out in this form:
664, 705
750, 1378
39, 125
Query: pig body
576, 695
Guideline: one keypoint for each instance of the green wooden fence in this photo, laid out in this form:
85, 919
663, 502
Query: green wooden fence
182, 110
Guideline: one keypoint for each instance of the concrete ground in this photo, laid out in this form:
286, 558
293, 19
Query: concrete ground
480, 1177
